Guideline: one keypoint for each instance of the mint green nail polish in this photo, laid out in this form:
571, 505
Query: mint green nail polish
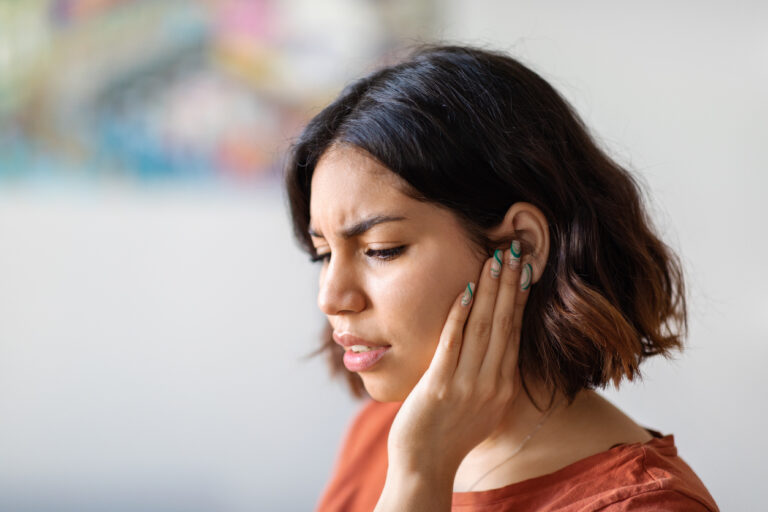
467, 298
525, 276
496, 264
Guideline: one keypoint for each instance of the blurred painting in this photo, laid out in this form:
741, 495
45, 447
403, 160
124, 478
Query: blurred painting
176, 91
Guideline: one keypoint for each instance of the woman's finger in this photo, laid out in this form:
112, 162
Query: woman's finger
477, 332
510, 359
443, 364
503, 332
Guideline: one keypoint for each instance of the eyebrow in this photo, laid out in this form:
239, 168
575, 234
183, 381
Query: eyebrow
361, 227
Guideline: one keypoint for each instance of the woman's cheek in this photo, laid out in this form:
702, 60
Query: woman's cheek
417, 304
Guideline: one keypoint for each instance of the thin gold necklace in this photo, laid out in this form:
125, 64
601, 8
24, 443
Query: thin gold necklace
519, 448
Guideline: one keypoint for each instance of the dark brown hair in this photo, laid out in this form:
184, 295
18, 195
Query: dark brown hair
476, 131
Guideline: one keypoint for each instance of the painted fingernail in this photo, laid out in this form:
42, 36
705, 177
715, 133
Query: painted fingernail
514, 254
468, 292
525, 276
496, 264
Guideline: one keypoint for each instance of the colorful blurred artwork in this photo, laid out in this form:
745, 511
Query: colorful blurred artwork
158, 91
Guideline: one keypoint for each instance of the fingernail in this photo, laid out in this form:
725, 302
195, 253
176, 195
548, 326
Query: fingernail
496, 264
514, 254
467, 298
525, 276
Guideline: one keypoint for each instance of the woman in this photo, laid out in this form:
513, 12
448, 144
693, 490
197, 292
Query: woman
485, 267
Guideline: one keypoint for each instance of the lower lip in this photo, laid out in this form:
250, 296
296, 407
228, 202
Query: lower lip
361, 361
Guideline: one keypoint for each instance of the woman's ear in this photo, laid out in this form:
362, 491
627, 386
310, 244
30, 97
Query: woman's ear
527, 223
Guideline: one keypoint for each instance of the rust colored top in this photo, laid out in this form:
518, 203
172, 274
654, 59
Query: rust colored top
631, 477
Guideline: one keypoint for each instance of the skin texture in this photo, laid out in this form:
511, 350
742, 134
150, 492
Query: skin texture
453, 366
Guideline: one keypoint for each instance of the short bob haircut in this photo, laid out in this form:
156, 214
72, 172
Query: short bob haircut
475, 131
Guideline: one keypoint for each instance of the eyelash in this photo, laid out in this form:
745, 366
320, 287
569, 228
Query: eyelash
381, 254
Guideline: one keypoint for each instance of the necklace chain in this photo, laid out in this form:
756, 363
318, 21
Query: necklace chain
519, 448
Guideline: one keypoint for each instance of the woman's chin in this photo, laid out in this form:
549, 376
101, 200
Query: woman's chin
384, 389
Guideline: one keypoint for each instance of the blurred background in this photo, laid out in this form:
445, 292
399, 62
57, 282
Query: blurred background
150, 353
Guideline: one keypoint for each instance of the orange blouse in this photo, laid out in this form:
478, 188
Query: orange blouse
634, 477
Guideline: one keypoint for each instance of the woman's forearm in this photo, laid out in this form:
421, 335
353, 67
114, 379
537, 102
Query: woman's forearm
415, 492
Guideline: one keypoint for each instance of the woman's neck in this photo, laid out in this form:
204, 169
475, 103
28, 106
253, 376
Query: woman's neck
521, 418
568, 433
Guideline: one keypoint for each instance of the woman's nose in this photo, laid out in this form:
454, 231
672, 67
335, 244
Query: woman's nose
340, 290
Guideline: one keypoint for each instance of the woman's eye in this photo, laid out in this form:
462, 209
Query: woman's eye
320, 257
379, 254
385, 254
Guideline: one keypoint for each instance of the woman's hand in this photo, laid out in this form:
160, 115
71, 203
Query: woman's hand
470, 383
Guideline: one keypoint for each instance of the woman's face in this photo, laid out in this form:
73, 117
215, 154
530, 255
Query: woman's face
392, 283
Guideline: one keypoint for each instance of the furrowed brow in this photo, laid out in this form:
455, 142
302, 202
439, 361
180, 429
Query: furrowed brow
361, 227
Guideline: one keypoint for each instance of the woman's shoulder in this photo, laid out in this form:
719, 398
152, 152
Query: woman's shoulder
652, 476
669, 475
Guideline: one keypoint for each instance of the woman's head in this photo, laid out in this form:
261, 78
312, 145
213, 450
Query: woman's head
475, 149
392, 265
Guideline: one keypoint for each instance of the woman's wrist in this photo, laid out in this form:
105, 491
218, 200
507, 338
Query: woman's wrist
416, 491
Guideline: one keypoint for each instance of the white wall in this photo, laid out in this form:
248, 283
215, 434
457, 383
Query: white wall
150, 347
150, 343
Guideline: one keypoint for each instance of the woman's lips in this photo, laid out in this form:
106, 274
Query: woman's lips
361, 361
